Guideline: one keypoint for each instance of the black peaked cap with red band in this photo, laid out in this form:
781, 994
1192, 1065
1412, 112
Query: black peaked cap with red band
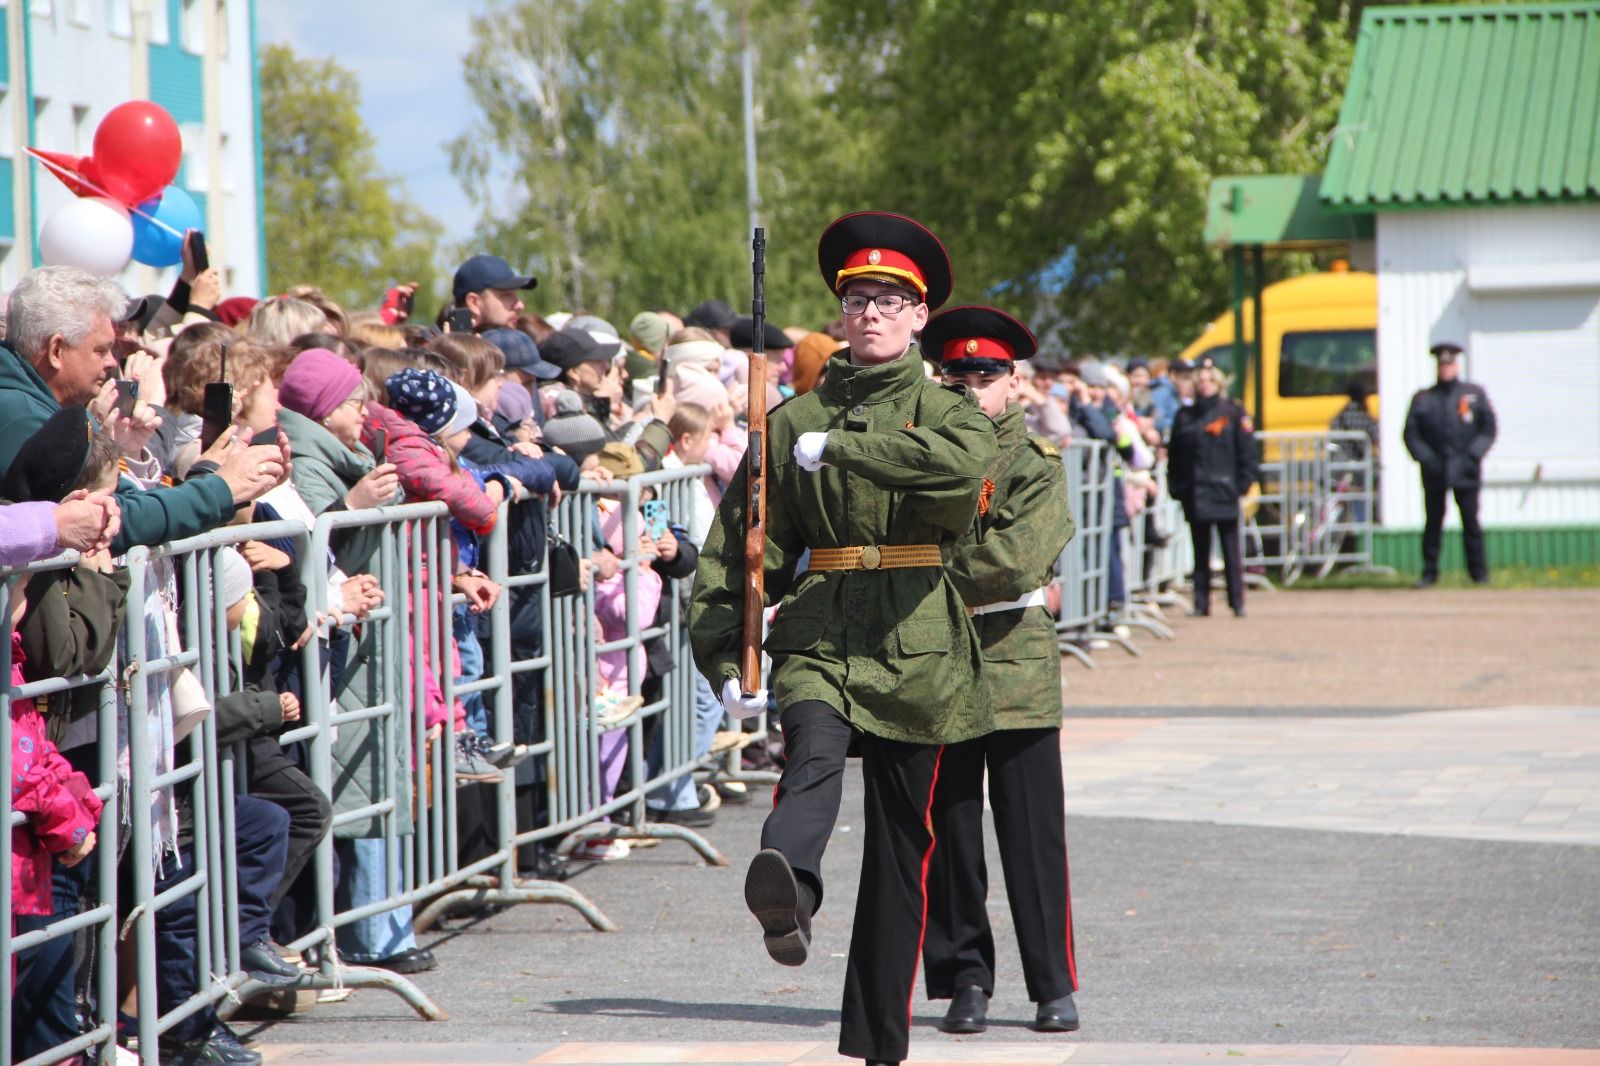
879, 246
966, 340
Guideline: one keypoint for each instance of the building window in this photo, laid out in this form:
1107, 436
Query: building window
196, 175
160, 24
119, 17
42, 8
192, 34
41, 114
79, 12
222, 29
82, 132
8, 143
8, 265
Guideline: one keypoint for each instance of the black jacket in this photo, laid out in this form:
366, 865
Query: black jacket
1449, 429
1212, 459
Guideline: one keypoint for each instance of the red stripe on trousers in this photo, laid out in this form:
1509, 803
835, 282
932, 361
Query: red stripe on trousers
1066, 874
927, 857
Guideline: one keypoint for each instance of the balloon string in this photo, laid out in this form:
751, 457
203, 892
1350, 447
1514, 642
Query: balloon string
73, 177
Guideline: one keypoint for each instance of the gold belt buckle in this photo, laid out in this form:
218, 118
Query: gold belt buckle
871, 557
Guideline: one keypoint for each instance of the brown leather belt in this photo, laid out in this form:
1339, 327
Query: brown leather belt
876, 557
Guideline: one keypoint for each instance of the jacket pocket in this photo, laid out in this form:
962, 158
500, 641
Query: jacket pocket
924, 637
1015, 636
793, 634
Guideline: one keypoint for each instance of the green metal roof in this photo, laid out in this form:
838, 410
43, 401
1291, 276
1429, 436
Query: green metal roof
1470, 105
1277, 211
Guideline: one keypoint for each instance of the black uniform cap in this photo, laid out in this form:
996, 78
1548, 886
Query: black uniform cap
1443, 348
880, 246
965, 340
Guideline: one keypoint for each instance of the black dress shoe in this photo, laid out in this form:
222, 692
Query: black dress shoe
774, 897
1057, 1016
415, 960
1427, 580
1199, 612
1238, 612
968, 1008
881, 1062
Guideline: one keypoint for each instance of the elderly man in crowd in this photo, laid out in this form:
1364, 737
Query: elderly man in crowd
60, 329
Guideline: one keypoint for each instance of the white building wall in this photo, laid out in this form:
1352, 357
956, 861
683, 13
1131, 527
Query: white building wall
240, 210
1519, 287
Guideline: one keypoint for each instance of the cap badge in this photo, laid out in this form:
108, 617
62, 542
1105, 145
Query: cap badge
874, 257
972, 346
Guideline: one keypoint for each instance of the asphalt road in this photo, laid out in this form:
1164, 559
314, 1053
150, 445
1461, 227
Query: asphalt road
1186, 932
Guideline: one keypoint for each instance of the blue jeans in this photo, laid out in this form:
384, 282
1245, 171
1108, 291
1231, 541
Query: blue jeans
465, 626
679, 793
364, 879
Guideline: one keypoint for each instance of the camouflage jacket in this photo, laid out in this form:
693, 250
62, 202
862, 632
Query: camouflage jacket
893, 650
1010, 551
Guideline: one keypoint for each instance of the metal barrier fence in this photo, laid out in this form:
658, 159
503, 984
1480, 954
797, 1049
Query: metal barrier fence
1317, 506
373, 731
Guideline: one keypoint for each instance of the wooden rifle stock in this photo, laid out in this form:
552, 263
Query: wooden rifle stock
755, 516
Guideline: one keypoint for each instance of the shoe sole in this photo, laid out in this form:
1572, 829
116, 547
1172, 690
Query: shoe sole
963, 1028
771, 893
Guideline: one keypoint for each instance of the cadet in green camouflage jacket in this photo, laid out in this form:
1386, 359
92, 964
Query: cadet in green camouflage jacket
1003, 567
870, 478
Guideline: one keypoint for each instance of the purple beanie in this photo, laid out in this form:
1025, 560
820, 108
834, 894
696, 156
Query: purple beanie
317, 382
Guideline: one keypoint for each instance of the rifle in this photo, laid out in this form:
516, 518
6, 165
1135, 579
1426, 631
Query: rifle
755, 526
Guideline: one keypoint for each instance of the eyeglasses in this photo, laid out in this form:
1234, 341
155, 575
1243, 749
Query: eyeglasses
889, 303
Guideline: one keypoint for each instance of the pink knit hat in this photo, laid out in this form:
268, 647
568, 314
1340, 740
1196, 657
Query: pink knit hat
317, 382
696, 385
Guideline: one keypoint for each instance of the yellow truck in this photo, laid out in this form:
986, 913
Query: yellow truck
1320, 332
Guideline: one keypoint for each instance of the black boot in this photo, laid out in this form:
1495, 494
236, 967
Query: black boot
784, 911
968, 1007
1057, 1016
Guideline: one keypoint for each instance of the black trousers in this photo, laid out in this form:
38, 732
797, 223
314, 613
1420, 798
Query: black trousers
1025, 790
891, 904
1435, 492
1232, 565
276, 779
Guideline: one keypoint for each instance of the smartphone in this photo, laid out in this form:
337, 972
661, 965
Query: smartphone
216, 405
403, 303
656, 517
197, 252
127, 396
380, 445
461, 320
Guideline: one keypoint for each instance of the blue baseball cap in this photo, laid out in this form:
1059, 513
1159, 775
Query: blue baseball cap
521, 353
488, 272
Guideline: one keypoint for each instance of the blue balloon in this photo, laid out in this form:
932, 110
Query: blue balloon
154, 245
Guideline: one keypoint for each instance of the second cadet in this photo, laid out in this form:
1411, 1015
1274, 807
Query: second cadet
1001, 568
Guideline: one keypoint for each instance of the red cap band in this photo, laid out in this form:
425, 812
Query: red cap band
882, 262
976, 348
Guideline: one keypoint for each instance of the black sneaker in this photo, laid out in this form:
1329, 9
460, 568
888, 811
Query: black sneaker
689, 817
414, 960
220, 1048
262, 961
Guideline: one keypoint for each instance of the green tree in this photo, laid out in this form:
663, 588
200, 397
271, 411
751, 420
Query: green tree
333, 219
609, 152
1063, 150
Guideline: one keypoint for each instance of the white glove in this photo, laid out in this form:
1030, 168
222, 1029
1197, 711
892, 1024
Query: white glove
808, 450
735, 703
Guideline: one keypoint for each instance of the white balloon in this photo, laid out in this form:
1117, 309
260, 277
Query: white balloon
91, 233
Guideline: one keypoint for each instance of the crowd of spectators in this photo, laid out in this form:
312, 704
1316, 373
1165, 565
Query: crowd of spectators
111, 437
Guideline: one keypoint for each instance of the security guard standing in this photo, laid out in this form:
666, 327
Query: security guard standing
1001, 568
1211, 463
1449, 429
875, 472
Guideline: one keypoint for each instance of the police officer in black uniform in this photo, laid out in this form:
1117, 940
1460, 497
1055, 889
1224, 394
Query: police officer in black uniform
1449, 429
1211, 463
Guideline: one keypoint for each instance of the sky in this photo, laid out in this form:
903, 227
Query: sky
407, 55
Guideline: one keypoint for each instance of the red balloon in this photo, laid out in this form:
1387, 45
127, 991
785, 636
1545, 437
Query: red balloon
137, 151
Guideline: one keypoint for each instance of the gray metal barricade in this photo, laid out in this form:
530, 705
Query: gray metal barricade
101, 918
1317, 504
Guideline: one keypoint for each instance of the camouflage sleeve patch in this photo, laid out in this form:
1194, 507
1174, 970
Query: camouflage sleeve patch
1045, 447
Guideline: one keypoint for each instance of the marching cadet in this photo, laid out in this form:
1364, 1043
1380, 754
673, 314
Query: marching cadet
1211, 464
1001, 568
1449, 428
876, 472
